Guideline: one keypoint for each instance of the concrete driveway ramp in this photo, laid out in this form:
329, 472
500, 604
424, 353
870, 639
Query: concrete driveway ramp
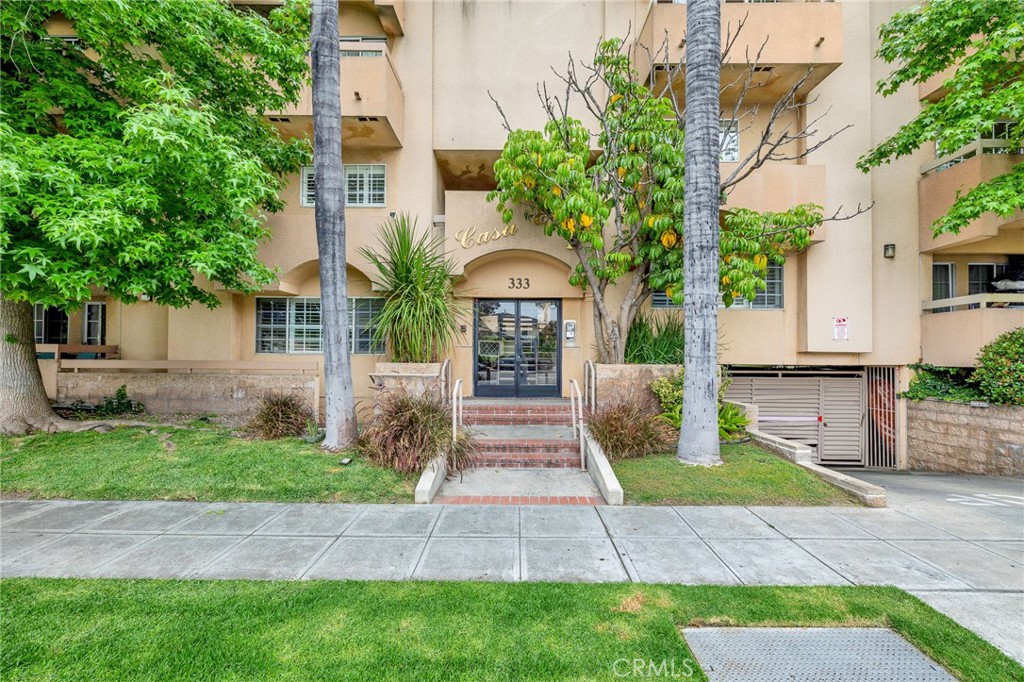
832, 654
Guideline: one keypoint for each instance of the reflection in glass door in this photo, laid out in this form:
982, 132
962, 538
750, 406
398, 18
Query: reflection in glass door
518, 348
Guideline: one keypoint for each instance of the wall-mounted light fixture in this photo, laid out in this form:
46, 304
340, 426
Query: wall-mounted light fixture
889, 250
359, 97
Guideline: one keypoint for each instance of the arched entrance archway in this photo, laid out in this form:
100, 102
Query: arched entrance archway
517, 338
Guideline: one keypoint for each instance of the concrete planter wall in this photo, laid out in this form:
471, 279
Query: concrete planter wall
175, 393
413, 378
967, 438
614, 382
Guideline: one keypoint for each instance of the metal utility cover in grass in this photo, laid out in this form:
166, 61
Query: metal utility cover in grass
832, 654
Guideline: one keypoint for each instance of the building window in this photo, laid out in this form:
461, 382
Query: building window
364, 185
94, 324
980, 274
728, 141
943, 283
769, 299
51, 324
293, 325
307, 190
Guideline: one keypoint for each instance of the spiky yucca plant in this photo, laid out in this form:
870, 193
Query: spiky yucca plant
420, 317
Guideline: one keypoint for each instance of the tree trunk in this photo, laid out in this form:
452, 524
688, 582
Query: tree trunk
329, 176
24, 406
698, 440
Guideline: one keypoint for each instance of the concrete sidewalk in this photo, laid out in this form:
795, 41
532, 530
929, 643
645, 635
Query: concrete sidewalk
963, 562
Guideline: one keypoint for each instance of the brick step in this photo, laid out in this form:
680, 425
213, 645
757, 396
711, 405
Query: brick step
470, 419
532, 460
524, 446
515, 414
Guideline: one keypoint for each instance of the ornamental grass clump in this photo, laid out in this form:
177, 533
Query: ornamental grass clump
280, 415
407, 432
420, 316
630, 427
655, 340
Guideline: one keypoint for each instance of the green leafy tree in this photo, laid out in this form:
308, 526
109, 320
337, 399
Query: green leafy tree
983, 40
621, 210
134, 159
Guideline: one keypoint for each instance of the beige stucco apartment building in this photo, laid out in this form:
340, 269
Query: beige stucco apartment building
823, 350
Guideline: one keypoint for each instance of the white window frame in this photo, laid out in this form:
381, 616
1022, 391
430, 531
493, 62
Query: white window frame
294, 345
307, 188
100, 338
728, 153
367, 172
307, 185
39, 322
950, 268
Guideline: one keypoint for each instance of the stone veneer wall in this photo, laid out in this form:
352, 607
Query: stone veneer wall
178, 392
961, 438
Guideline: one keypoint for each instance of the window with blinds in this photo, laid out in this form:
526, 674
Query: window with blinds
769, 299
293, 325
365, 185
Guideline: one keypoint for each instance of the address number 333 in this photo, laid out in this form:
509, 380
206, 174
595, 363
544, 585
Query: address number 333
518, 282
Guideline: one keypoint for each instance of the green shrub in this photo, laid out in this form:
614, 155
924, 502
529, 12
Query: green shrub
944, 383
407, 432
630, 427
669, 391
732, 421
119, 404
280, 415
655, 340
1000, 369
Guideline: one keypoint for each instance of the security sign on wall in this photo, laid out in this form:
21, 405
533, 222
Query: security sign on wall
841, 328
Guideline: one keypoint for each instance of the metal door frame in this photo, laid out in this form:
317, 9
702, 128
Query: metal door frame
518, 390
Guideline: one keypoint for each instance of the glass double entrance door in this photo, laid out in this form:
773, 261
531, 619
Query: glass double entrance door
517, 348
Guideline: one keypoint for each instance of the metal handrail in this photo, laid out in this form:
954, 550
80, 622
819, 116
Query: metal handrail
456, 409
576, 399
977, 148
590, 383
445, 376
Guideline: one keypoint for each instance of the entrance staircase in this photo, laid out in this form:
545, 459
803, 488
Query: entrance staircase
528, 454
523, 435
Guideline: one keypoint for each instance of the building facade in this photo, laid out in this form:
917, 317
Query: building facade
825, 346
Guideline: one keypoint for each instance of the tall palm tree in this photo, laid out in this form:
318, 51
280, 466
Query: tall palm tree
330, 226
698, 442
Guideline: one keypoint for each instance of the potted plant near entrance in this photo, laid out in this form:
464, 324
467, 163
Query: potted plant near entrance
420, 316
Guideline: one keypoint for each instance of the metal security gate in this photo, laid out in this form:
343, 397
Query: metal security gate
882, 390
824, 410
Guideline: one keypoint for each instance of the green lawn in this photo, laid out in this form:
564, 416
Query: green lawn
208, 465
306, 631
749, 476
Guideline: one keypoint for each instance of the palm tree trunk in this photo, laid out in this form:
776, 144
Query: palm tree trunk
330, 226
24, 406
698, 441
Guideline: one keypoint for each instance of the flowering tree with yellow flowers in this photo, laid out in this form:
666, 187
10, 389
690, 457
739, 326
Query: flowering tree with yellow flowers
621, 209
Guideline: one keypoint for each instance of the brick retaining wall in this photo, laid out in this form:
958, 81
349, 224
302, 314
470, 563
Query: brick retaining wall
178, 392
959, 438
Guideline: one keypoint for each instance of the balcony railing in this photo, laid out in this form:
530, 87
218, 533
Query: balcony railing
974, 301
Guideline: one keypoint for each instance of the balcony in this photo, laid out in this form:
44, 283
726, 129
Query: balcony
945, 177
372, 101
953, 330
801, 36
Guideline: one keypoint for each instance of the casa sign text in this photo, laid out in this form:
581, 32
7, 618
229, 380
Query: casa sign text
469, 237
